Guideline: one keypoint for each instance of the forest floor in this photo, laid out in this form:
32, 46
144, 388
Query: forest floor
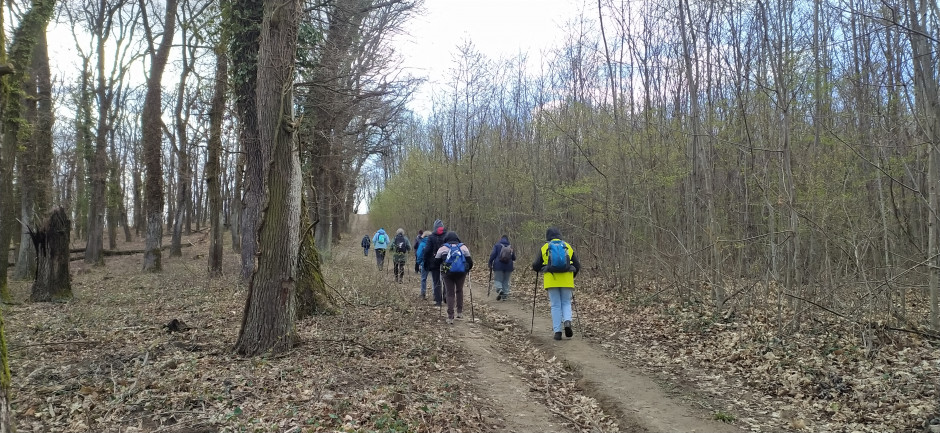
386, 361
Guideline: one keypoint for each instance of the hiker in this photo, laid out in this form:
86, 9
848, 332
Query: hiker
401, 246
453, 258
380, 243
415, 246
435, 241
419, 261
501, 264
365, 245
559, 266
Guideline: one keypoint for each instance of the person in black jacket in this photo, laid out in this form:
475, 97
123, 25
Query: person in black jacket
434, 244
366, 243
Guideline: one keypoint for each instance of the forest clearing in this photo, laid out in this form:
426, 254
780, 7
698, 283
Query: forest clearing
386, 361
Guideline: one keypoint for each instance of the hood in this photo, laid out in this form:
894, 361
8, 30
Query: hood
552, 233
400, 231
451, 238
504, 240
381, 231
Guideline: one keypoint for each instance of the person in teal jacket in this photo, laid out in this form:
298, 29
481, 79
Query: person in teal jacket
380, 242
559, 283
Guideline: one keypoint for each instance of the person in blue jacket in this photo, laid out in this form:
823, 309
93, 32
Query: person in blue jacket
500, 262
419, 262
380, 243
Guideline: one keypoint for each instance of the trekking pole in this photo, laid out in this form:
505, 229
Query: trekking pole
577, 314
488, 283
470, 289
535, 289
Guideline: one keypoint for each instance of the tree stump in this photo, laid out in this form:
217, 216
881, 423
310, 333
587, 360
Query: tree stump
53, 281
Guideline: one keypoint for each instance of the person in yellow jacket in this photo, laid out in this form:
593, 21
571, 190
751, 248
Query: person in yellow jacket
559, 265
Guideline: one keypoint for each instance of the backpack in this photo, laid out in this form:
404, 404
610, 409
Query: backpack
557, 256
456, 262
400, 244
382, 238
505, 254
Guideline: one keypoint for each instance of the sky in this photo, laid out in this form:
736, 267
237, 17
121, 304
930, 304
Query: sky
497, 28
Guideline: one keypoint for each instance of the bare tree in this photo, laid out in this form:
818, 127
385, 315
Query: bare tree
213, 163
152, 137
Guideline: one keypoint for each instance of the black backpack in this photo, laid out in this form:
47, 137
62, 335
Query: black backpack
400, 245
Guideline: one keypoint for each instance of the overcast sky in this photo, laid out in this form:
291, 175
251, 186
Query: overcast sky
497, 28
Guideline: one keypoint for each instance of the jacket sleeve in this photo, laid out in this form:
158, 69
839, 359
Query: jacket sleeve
537, 264
469, 263
493, 255
575, 263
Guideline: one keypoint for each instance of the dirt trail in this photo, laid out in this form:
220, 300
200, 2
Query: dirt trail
500, 381
626, 393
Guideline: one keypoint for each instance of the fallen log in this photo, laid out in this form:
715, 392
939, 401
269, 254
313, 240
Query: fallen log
109, 253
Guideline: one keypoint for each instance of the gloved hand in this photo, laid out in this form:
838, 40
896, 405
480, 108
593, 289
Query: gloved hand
416, 267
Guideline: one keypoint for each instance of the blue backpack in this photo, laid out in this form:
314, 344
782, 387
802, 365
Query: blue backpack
455, 263
557, 256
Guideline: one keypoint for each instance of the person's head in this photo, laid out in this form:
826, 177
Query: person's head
552, 233
451, 238
400, 231
505, 238
420, 233
439, 227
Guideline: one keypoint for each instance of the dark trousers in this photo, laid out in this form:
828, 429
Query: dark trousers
380, 258
436, 285
365, 251
453, 286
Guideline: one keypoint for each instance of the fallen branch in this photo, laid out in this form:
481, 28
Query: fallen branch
109, 253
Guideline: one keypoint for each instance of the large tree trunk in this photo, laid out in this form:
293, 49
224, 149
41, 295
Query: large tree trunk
152, 138
213, 163
268, 322
244, 57
53, 282
25, 37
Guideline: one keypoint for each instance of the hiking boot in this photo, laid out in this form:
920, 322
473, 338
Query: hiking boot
451, 322
558, 335
437, 304
499, 296
568, 331
460, 315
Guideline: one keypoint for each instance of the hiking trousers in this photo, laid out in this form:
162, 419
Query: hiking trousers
365, 251
453, 286
560, 298
424, 282
380, 258
501, 282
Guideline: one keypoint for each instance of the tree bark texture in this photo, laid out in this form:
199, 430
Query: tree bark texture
51, 241
152, 132
213, 164
25, 38
268, 322
244, 57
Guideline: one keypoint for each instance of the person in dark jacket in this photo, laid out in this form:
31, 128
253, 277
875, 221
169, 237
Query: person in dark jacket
365, 245
434, 244
558, 283
453, 281
501, 264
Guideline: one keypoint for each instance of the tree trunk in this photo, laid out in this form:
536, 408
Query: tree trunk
244, 57
152, 137
31, 24
53, 281
96, 205
268, 322
213, 163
